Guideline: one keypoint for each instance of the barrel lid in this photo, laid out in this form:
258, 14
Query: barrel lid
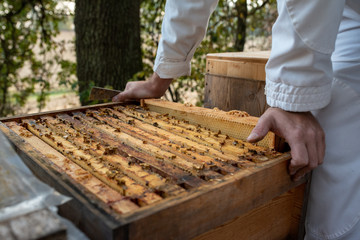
259, 56
245, 65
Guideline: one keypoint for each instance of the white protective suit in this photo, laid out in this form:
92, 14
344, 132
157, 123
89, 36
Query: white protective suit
314, 66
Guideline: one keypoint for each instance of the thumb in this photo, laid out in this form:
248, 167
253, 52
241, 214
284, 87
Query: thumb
121, 97
117, 98
259, 131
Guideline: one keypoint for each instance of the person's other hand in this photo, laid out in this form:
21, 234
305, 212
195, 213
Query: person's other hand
154, 87
303, 133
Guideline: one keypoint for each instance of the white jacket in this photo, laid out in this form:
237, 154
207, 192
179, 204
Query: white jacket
183, 28
304, 73
299, 71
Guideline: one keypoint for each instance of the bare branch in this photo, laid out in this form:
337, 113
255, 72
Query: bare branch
258, 7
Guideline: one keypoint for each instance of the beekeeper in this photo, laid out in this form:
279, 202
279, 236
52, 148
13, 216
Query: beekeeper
312, 86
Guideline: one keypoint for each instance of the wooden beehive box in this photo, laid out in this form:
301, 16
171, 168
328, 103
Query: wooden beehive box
163, 171
236, 80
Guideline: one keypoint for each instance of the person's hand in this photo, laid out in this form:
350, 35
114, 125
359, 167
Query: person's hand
303, 133
154, 87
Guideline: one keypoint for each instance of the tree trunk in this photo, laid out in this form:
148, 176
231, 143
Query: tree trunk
242, 13
108, 46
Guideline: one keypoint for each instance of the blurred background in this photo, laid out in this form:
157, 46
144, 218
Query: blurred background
52, 52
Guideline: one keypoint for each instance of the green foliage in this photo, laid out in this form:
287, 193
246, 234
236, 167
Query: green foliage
31, 60
222, 33
28, 52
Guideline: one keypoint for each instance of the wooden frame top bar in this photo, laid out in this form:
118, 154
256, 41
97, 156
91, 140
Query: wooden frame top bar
193, 212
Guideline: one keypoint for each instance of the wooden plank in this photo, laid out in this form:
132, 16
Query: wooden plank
256, 56
189, 155
188, 140
97, 222
277, 219
112, 178
254, 71
163, 168
110, 197
203, 207
211, 140
208, 209
231, 125
51, 113
300, 197
238, 65
123, 164
193, 166
229, 93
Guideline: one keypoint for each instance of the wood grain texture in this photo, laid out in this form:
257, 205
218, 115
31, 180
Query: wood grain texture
226, 123
52, 113
236, 81
276, 219
249, 65
256, 56
153, 154
80, 156
79, 175
96, 221
124, 165
210, 209
177, 135
162, 167
229, 93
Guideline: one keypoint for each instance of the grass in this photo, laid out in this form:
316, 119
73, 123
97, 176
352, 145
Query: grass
54, 93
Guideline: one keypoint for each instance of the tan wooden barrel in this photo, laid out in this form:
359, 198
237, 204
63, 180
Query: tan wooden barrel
236, 80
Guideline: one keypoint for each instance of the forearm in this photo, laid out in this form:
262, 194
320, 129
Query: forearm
299, 71
183, 28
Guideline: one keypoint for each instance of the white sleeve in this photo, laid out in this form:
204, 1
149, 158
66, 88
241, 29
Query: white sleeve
183, 28
299, 71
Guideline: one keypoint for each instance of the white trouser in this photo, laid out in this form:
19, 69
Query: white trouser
334, 202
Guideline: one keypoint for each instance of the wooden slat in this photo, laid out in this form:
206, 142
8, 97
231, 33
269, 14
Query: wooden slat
209, 209
123, 164
163, 168
227, 123
119, 182
194, 166
97, 221
211, 140
247, 65
258, 56
228, 93
204, 204
182, 152
173, 139
51, 113
111, 197
277, 219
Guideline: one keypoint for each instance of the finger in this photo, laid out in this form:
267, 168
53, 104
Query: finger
117, 98
313, 161
300, 174
299, 155
260, 130
122, 97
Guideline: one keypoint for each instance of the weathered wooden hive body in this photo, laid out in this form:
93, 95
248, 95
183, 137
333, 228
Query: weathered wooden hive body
163, 171
236, 80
